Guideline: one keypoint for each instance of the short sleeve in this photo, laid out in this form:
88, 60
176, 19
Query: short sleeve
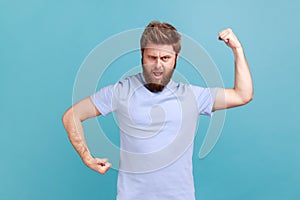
103, 100
205, 98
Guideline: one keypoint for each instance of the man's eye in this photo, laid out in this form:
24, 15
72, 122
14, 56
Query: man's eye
152, 57
165, 58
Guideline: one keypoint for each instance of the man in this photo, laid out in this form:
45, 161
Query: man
157, 117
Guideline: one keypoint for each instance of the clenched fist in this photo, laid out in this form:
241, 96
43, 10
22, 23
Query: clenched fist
99, 165
229, 38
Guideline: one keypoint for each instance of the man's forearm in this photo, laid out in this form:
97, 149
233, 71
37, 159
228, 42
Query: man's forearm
75, 132
72, 121
243, 81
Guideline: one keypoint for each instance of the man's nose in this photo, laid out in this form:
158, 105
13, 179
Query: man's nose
158, 63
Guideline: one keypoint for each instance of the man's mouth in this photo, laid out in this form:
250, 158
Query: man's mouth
157, 75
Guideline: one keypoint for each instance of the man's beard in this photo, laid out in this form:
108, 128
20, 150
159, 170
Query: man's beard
152, 84
154, 87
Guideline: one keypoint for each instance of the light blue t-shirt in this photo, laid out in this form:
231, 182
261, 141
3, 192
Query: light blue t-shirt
156, 136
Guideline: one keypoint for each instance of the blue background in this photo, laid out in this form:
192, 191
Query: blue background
43, 43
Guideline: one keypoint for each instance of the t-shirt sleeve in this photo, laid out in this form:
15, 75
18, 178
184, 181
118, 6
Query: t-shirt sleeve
103, 100
205, 98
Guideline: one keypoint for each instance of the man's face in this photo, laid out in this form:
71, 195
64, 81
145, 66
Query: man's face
158, 65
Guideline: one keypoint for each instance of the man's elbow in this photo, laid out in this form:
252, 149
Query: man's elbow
66, 116
70, 115
247, 98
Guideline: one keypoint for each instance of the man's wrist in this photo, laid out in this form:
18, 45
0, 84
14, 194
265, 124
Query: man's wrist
86, 156
238, 50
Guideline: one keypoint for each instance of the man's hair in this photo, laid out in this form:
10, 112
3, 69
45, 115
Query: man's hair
161, 33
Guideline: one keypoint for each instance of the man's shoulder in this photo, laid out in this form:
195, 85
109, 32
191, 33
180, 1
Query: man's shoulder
183, 88
125, 86
179, 86
130, 81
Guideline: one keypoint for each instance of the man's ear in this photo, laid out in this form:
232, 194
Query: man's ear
177, 56
142, 54
176, 59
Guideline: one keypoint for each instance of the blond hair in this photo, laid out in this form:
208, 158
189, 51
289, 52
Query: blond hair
161, 33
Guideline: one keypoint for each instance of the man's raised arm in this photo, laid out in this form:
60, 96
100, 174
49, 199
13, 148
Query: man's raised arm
242, 92
72, 120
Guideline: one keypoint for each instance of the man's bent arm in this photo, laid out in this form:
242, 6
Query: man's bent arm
242, 92
72, 120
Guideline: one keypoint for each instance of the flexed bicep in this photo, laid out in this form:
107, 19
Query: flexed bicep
227, 98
